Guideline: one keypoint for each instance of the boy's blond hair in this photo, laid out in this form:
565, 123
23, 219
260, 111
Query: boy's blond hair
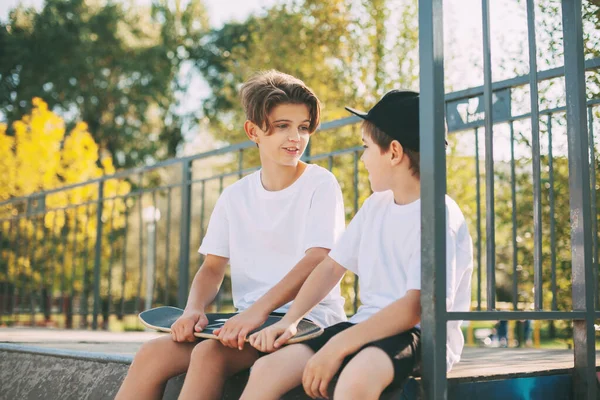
268, 89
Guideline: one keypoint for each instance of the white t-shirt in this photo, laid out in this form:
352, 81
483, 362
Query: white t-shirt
265, 234
382, 245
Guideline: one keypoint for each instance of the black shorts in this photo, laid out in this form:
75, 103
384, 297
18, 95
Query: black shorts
403, 349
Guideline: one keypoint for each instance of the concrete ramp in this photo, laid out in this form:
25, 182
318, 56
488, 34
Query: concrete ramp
28, 372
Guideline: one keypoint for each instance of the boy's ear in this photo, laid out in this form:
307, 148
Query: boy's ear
396, 152
251, 129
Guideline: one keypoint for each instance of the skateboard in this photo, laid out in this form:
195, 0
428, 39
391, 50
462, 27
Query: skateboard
161, 319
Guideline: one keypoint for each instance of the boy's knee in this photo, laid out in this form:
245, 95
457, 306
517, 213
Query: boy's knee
354, 385
150, 350
207, 350
262, 367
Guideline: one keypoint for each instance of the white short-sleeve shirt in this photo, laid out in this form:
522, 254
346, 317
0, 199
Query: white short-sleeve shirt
266, 233
382, 245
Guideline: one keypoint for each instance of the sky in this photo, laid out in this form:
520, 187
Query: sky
219, 10
463, 41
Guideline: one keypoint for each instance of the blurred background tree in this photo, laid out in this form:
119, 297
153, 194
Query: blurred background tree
111, 65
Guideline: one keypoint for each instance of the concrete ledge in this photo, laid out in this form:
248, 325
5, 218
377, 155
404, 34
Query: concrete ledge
28, 372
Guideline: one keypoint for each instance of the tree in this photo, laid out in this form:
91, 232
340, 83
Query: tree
43, 239
114, 67
341, 49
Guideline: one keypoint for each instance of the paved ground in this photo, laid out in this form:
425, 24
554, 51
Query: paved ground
476, 362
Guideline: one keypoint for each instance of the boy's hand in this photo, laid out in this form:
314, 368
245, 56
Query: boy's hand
273, 337
191, 321
321, 368
233, 333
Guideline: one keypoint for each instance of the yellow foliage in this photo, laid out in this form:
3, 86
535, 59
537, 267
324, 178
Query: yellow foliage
42, 156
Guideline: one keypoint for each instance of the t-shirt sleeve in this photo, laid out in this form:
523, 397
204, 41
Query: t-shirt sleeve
325, 220
345, 251
216, 240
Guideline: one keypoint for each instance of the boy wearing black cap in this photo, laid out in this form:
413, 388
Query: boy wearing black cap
380, 346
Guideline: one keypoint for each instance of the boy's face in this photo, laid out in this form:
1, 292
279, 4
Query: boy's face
378, 165
289, 135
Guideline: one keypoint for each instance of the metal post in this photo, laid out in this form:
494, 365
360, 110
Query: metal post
552, 217
513, 193
535, 144
490, 230
184, 237
151, 217
355, 188
433, 191
584, 379
478, 202
98, 254
593, 205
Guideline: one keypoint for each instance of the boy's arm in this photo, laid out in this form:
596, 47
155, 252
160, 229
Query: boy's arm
324, 278
287, 289
205, 287
400, 316
397, 317
234, 333
207, 282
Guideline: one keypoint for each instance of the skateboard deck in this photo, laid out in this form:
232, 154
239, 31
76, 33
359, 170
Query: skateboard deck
161, 319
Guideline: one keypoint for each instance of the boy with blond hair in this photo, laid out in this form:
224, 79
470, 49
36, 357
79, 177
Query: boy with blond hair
273, 227
380, 346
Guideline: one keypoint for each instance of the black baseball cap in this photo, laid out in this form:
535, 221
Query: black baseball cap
396, 114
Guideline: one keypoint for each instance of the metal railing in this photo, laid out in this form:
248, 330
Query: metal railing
583, 213
86, 251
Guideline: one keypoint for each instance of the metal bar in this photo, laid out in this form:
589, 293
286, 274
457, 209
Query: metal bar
458, 95
39, 260
219, 298
17, 289
43, 297
53, 260
98, 255
593, 204
478, 203
111, 260
535, 136
141, 170
433, 192
86, 254
519, 117
140, 248
552, 216
355, 209
167, 247
124, 263
73, 267
64, 232
584, 374
514, 315
490, 231
202, 215
330, 163
513, 193
154, 251
31, 252
184, 236
518, 81
5, 236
